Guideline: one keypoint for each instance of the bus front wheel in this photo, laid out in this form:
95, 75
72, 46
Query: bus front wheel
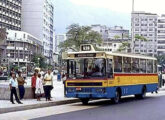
85, 101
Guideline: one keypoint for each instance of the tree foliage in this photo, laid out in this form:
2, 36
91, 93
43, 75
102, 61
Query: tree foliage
124, 46
78, 35
161, 59
138, 37
39, 61
116, 37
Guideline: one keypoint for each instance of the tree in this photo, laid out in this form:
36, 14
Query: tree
116, 37
124, 46
161, 60
39, 61
78, 35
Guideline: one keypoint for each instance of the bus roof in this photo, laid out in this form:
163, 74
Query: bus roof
115, 54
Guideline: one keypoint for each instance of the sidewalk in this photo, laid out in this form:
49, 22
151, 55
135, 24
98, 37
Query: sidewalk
57, 94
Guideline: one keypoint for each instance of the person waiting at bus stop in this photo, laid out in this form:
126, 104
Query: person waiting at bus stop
21, 82
48, 85
33, 83
13, 85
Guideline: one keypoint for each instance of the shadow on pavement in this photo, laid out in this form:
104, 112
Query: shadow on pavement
124, 100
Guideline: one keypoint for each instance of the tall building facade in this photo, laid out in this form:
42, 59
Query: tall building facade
161, 35
10, 14
144, 24
37, 19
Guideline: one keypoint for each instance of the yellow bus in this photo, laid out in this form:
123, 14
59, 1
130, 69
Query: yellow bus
98, 74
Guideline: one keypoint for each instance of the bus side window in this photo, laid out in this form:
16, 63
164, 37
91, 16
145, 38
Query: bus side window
142, 66
149, 66
155, 66
109, 68
117, 64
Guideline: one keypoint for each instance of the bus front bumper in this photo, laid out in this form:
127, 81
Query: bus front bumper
86, 93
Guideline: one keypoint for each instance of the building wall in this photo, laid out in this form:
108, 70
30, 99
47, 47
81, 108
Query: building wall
58, 39
10, 14
22, 46
145, 24
32, 17
161, 35
38, 21
110, 32
110, 43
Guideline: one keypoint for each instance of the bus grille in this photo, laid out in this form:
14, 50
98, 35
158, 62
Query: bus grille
85, 84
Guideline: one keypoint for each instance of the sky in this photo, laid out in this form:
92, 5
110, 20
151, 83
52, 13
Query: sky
104, 12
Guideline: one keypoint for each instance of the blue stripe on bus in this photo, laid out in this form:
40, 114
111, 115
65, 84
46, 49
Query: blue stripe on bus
110, 91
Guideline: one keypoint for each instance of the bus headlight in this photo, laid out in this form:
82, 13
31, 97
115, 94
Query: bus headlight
100, 90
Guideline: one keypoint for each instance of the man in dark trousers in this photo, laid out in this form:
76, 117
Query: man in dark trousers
13, 85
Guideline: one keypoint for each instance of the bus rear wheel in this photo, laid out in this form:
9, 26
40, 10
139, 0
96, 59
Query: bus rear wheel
143, 94
117, 97
85, 101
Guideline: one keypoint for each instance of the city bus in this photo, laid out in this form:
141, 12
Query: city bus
108, 75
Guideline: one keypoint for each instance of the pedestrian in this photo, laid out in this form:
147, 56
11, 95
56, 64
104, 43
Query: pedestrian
21, 82
48, 85
13, 85
64, 77
39, 88
12, 71
33, 83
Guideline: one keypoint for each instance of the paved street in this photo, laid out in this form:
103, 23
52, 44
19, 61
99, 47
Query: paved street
151, 108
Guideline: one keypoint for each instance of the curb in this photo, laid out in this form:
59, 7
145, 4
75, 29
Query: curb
41, 105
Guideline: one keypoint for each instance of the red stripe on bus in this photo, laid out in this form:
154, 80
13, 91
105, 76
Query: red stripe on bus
88, 79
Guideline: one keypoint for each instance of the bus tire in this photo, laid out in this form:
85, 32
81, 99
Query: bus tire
144, 91
143, 94
117, 97
85, 101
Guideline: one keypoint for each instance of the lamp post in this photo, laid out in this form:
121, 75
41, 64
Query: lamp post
26, 64
8, 55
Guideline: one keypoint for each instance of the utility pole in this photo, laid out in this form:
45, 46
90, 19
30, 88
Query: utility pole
133, 37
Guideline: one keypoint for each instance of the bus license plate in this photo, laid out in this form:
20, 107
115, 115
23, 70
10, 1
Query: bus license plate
78, 89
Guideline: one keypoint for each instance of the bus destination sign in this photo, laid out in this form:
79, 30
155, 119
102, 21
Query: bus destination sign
86, 55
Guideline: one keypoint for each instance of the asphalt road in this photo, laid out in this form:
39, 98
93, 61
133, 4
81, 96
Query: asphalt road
150, 108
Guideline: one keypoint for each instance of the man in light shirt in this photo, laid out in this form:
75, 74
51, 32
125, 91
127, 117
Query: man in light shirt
13, 85
48, 85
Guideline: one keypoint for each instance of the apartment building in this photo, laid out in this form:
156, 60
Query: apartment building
161, 35
10, 14
144, 24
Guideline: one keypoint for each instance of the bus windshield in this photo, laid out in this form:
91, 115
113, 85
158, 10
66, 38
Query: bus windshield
86, 68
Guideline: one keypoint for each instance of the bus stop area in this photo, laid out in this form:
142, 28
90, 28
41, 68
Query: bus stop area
29, 103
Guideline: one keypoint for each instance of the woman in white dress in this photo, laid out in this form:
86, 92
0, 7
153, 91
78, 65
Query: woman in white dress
39, 87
